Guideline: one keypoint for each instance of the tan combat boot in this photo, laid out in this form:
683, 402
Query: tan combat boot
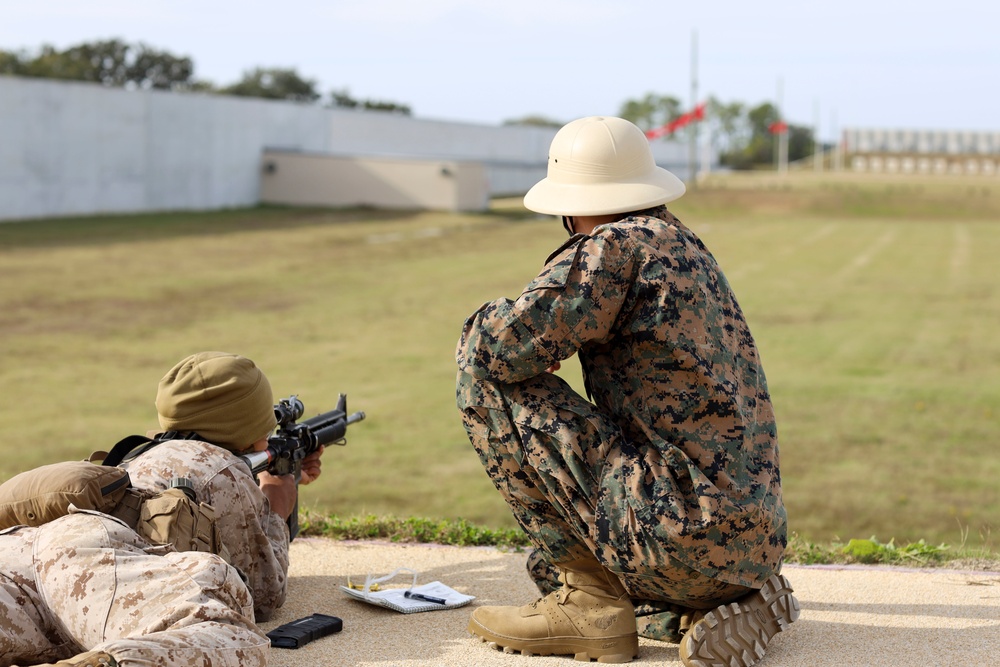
88, 659
589, 617
736, 634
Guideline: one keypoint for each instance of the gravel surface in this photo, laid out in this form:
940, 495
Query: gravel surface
850, 615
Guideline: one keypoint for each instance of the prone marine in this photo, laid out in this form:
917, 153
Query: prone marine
88, 588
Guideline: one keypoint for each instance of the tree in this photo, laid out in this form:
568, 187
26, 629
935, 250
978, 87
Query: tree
343, 100
12, 63
753, 143
382, 105
800, 142
728, 129
652, 111
761, 146
110, 62
274, 84
162, 71
534, 120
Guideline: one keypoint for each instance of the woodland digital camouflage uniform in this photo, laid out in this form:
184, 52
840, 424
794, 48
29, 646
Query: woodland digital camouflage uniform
87, 582
670, 475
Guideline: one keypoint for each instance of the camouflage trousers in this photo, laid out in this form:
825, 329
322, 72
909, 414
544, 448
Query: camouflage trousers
86, 582
556, 461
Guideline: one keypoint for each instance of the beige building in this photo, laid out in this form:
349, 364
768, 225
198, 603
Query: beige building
304, 179
927, 152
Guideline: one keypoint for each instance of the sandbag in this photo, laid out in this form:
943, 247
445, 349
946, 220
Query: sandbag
40, 495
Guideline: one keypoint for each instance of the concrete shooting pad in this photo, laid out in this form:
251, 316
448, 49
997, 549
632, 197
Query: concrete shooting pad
851, 615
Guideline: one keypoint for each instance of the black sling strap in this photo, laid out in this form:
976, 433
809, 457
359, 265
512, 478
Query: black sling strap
124, 447
132, 446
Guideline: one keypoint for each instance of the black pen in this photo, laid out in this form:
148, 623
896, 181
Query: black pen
425, 598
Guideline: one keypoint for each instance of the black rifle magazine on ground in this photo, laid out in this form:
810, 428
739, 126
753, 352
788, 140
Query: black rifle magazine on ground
299, 633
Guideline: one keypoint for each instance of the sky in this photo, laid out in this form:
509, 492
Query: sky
827, 65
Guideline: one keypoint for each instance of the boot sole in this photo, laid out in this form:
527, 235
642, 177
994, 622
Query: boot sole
736, 634
618, 649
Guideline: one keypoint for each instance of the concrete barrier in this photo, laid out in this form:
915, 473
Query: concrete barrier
396, 183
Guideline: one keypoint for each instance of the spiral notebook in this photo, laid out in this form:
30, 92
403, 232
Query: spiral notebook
444, 596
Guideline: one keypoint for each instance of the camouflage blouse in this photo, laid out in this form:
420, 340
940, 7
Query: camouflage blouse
256, 537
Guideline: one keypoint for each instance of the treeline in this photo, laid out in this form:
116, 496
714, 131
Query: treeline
744, 136
119, 64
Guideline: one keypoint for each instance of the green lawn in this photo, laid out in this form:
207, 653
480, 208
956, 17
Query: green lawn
874, 304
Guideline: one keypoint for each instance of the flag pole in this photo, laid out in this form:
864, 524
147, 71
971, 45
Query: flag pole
693, 127
817, 144
776, 137
781, 148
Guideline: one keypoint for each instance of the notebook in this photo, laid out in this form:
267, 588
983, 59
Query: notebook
395, 598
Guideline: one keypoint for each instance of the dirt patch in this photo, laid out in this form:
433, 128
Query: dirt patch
975, 565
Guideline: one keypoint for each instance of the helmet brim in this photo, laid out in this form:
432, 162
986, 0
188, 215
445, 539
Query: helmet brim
656, 187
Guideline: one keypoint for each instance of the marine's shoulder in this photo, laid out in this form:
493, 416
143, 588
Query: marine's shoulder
649, 221
642, 227
184, 454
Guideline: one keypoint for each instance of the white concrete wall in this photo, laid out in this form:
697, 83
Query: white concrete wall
70, 148
77, 149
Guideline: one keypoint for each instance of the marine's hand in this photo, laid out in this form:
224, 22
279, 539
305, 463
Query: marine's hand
553, 368
280, 491
311, 466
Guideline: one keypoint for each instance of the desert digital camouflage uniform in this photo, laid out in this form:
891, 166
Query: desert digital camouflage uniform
670, 476
256, 537
87, 582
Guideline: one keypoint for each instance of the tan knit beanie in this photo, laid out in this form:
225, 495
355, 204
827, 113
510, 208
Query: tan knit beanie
223, 397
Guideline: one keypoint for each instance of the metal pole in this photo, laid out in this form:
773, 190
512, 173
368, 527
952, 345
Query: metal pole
817, 144
837, 155
693, 126
782, 141
776, 137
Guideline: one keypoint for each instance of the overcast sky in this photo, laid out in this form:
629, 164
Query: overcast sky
851, 63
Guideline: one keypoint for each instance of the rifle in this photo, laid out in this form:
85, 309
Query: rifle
294, 441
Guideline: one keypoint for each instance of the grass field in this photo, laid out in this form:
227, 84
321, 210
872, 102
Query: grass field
875, 304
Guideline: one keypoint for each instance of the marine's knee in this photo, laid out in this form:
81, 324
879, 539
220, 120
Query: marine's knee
216, 578
475, 392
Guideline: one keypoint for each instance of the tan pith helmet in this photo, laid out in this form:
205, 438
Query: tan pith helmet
600, 165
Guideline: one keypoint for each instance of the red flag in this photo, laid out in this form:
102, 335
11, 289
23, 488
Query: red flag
696, 114
778, 127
